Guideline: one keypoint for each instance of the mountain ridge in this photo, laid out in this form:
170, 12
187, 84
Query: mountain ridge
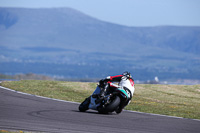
65, 35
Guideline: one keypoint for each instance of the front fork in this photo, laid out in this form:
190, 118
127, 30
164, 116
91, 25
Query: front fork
104, 90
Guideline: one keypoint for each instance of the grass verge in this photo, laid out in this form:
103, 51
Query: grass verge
173, 100
6, 131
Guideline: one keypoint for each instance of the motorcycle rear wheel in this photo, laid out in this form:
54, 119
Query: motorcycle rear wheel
111, 107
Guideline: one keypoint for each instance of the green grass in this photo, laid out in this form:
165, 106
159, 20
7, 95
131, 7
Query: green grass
173, 100
6, 131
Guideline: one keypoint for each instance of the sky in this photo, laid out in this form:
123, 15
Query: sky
126, 12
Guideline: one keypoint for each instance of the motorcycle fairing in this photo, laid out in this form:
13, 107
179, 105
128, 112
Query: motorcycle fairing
93, 104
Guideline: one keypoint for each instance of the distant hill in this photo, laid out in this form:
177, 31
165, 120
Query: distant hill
68, 43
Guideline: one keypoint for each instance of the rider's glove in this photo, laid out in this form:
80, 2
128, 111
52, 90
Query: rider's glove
102, 82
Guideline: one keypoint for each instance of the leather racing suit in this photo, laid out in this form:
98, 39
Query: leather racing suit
124, 81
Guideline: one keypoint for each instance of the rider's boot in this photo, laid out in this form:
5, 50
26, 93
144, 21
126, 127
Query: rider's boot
121, 106
119, 110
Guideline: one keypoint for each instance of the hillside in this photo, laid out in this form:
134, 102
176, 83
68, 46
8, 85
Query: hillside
68, 43
173, 100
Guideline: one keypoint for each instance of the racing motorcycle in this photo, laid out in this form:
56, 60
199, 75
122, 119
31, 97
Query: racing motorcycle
108, 100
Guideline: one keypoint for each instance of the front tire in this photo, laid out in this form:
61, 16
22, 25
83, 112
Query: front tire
84, 105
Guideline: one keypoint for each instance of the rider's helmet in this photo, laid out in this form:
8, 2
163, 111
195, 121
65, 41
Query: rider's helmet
127, 74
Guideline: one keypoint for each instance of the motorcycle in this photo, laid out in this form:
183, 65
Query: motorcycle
113, 99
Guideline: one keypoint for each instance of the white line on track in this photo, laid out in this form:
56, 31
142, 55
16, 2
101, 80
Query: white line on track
79, 103
37, 95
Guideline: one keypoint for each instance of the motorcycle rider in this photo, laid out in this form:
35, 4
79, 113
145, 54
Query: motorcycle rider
125, 81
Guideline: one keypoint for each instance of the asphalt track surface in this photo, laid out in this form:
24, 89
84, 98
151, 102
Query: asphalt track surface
32, 113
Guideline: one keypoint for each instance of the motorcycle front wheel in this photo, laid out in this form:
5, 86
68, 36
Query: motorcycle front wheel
84, 105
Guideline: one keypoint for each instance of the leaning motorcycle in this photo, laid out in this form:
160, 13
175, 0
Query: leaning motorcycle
110, 101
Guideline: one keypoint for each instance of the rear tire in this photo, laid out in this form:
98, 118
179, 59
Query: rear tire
111, 107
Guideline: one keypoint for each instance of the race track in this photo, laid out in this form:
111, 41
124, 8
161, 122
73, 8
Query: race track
31, 113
